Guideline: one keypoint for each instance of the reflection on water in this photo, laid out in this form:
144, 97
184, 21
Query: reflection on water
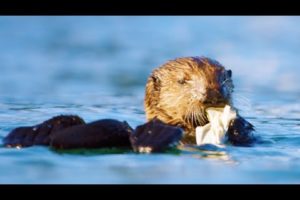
97, 67
207, 151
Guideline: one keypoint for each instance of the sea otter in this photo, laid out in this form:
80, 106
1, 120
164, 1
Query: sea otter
176, 96
179, 91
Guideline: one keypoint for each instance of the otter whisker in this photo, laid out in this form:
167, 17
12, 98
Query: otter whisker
202, 119
192, 117
242, 100
199, 118
225, 81
195, 116
188, 117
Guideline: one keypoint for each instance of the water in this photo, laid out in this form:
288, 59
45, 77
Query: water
97, 67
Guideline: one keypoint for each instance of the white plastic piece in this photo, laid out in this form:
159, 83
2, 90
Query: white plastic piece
214, 132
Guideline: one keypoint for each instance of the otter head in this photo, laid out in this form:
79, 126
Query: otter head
179, 91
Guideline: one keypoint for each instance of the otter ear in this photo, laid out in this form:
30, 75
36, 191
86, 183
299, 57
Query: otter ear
155, 79
229, 73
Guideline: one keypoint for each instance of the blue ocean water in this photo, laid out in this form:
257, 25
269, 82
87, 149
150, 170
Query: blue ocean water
97, 67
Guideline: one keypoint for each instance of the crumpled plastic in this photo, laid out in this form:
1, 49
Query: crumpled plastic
215, 131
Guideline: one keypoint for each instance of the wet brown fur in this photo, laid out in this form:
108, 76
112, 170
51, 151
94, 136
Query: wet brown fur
179, 91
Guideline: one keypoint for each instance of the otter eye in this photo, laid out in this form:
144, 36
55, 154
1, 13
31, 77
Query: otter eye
182, 81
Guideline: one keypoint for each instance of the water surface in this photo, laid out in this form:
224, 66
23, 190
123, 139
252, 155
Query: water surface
97, 67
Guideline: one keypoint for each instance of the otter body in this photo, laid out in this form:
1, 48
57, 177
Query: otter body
179, 91
176, 97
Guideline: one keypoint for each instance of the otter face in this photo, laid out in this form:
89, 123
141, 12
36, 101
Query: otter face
179, 91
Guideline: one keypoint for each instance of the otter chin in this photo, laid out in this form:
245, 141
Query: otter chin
179, 92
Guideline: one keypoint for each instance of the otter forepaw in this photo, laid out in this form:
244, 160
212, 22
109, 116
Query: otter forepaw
240, 132
155, 136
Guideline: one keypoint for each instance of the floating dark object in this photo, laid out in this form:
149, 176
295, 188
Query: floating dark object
40, 134
155, 136
240, 132
99, 134
71, 132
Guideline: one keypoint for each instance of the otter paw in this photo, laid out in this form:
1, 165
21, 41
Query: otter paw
155, 136
104, 133
40, 133
240, 132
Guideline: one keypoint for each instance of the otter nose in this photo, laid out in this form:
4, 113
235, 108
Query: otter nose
213, 97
